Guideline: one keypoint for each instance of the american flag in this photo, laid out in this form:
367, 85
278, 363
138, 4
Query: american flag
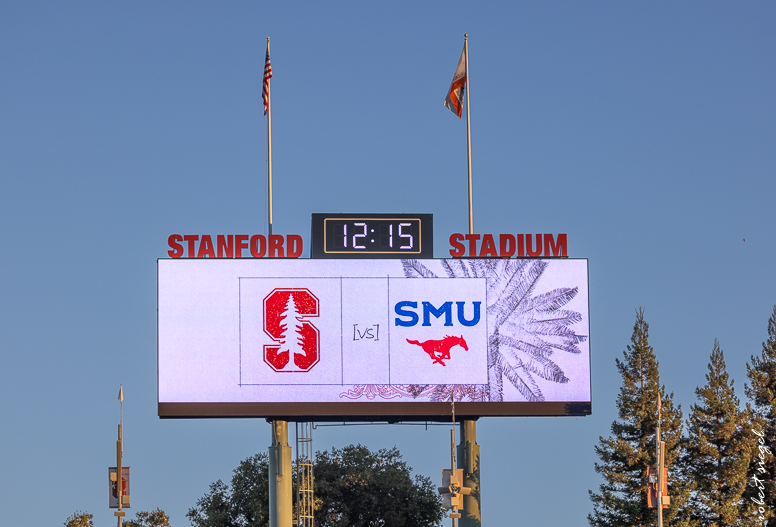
267, 77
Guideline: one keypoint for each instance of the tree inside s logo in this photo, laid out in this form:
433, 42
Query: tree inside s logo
296, 340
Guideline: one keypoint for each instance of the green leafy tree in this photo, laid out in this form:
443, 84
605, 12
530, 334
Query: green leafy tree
718, 450
360, 488
761, 372
79, 519
353, 487
245, 502
155, 518
630, 450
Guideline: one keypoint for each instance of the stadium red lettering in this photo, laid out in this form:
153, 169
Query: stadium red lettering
504, 241
472, 238
555, 249
531, 245
488, 246
176, 248
531, 252
458, 249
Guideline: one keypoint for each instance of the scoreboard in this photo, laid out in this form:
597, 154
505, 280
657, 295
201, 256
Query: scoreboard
372, 327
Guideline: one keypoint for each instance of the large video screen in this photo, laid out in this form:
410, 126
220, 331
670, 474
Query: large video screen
396, 340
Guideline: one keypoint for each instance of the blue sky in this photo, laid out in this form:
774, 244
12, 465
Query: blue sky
644, 131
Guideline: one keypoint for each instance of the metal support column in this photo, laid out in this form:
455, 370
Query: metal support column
281, 505
304, 475
469, 461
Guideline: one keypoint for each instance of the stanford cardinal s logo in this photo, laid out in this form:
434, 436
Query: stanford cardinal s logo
297, 341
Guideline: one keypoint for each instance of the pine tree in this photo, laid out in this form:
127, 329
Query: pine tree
718, 450
630, 450
761, 372
291, 336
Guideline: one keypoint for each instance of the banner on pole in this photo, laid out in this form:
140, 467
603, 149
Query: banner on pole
113, 495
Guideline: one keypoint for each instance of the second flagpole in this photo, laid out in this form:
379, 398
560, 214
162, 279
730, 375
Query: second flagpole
269, 148
468, 131
469, 450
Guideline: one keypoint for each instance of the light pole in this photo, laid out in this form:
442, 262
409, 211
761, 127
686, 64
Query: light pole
119, 450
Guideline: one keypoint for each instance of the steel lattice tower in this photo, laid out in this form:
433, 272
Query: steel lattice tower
304, 474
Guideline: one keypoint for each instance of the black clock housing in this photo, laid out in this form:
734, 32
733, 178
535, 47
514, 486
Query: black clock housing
351, 235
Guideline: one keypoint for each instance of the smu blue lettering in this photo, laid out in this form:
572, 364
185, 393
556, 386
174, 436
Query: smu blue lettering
446, 310
473, 321
429, 309
404, 313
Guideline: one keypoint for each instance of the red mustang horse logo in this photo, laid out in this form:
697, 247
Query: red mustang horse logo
439, 350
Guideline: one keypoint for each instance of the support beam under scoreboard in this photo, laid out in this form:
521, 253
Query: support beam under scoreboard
281, 505
469, 461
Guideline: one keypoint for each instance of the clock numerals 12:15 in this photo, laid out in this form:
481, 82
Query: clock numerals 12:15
391, 236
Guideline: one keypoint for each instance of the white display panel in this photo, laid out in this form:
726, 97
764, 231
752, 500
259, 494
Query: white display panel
369, 338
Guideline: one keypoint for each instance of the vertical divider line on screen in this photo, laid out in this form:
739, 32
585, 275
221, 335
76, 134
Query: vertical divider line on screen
342, 342
388, 287
239, 330
487, 346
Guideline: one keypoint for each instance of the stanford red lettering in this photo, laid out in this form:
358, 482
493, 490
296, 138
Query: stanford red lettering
206, 248
258, 245
293, 246
240, 243
225, 246
234, 245
275, 246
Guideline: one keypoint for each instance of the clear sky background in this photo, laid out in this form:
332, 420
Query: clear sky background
646, 131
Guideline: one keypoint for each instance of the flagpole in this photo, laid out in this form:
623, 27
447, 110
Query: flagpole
468, 130
269, 154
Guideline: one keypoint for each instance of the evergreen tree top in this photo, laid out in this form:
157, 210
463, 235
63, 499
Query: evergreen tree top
718, 449
637, 400
761, 372
718, 393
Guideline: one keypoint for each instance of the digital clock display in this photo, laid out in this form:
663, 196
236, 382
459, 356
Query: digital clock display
372, 236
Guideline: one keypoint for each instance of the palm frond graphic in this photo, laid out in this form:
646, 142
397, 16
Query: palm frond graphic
525, 329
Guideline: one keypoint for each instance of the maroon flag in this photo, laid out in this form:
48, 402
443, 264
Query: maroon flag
454, 99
